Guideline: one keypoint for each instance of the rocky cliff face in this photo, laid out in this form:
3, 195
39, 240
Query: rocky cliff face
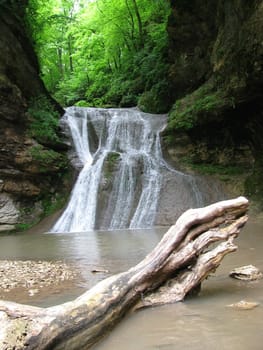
216, 58
28, 168
215, 125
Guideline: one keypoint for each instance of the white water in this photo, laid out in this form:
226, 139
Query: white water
124, 181
133, 138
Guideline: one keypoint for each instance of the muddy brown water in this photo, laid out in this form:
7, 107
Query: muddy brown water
202, 322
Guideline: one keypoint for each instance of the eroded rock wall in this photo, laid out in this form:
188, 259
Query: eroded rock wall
216, 70
26, 177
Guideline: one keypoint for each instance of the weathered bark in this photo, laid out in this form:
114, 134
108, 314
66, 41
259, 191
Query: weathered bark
181, 258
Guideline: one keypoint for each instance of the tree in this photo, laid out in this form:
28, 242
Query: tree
50, 23
100, 51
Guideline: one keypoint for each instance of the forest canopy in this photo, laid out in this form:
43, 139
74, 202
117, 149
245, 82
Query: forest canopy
102, 52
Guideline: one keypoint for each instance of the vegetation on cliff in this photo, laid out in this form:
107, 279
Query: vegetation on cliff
216, 71
103, 53
32, 157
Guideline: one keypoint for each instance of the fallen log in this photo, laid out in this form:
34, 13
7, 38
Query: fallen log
184, 257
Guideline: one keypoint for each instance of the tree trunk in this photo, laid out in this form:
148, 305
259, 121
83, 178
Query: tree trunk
182, 257
71, 67
140, 25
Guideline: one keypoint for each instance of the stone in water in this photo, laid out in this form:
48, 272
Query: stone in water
246, 273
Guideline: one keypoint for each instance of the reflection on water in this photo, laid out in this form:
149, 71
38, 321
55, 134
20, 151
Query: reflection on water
203, 322
112, 251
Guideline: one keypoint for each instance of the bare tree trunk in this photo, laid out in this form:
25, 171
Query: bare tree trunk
181, 257
71, 67
140, 25
60, 62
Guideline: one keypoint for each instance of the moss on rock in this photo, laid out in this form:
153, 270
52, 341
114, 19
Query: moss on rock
217, 72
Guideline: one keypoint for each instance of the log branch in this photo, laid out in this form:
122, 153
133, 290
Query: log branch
177, 265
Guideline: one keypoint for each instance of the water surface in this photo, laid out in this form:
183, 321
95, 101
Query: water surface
203, 322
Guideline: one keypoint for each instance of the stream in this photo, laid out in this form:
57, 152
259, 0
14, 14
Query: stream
202, 322
123, 183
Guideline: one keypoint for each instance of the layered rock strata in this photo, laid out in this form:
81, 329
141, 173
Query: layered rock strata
216, 71
28, 169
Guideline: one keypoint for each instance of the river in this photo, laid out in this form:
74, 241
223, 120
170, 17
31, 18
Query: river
202, 322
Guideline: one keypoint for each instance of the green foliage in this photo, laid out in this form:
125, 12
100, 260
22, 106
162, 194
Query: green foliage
224, 172
51, 204
49, 24
23, 227
82, 103
169, 139
47, 159
110, 164
104, 52
153, 100
112, 158
218, 169
129, 100
43, 120
193, 108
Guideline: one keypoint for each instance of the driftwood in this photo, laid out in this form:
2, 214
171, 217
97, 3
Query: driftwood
177, 265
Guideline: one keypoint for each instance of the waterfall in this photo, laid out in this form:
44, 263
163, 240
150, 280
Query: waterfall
124, 181
129, 139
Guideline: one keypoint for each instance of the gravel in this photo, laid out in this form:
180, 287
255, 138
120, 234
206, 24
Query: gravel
33, 276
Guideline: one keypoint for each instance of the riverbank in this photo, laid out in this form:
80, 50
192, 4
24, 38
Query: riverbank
29, 279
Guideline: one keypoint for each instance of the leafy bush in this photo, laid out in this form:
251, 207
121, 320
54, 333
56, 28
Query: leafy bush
23, 226
129, 100
193, 108
47, 159
156, 100
51, 204
81, 103
43, 120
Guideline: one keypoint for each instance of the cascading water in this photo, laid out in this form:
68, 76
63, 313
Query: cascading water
130, 139
123, 172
